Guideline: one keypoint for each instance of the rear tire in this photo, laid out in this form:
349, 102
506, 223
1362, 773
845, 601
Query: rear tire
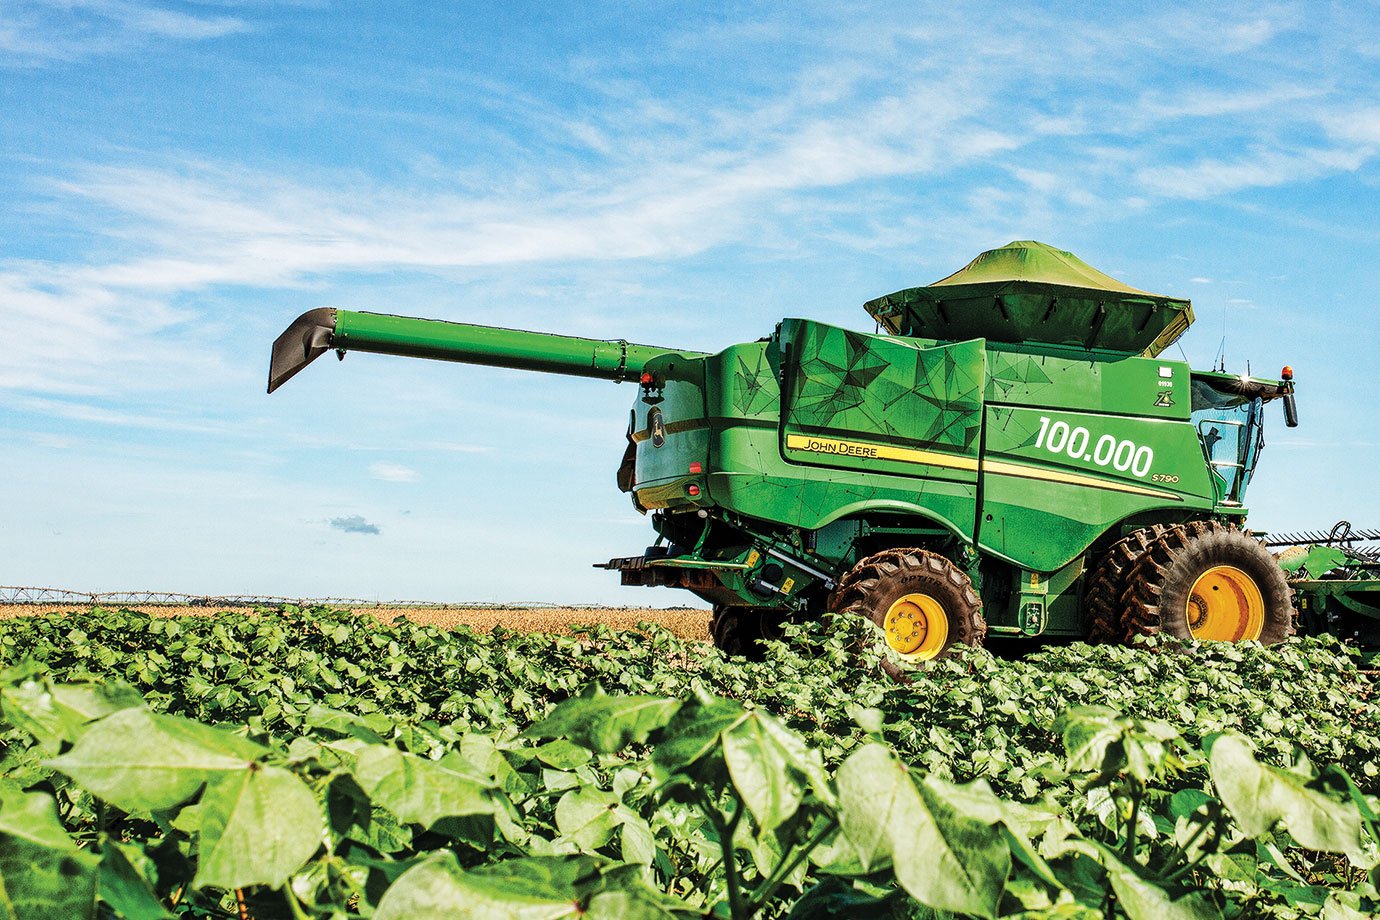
922, 602
1108, 582
739, 632
1207, 581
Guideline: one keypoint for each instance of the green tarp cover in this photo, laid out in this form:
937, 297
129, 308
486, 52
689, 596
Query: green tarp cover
1031, 292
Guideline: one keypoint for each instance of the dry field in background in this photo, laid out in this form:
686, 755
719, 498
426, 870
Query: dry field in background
688, 624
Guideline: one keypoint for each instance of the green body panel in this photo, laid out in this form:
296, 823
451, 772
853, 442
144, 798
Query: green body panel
1046, 499
885, 392
1149, 387
684, 429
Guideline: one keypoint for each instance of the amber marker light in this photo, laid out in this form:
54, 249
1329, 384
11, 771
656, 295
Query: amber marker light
1287, 373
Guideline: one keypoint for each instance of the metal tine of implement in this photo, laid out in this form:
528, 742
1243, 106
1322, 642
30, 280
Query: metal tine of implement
1357, 535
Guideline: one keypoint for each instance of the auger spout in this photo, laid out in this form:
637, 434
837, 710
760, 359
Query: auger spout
318, 331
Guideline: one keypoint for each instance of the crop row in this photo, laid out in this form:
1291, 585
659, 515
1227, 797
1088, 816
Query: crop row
971, 717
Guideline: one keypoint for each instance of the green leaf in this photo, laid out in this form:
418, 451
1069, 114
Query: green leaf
353, 815
976, 800
834, 899
54, 714
258, 827
124, 888
869, 720
695, 732
625, 895
533, 888
763, 764
1098, 739
1345, 906
1087, 732
631, 904
43, 873
1144, 900
606, 724
139, 761
637, 844
346, 723
482, 754
1187, 801
944, 859
563, 754
1259, 796
417, 790
588, 817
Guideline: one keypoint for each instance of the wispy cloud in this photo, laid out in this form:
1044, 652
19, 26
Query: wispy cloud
42, 31
355, 523
393, 472
77, 411
1263, 169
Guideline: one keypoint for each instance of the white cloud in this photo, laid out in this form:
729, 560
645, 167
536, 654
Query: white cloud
1265, 168
65, 30
86, 412
1215, 103
165, 23
1252, 33
393, 472
1360, 126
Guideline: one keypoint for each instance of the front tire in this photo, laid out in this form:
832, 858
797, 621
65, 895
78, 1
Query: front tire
923, 603
1209, 582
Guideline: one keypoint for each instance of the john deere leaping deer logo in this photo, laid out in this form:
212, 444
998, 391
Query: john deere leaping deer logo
658, 427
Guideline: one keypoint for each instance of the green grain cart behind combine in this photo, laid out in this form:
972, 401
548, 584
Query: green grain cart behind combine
1011, 456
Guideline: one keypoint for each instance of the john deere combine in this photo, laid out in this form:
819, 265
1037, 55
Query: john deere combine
1011, 455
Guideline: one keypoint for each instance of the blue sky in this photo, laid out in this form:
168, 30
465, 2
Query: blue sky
178, 181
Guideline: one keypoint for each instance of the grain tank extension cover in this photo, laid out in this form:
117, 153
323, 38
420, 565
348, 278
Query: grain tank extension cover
1031, 292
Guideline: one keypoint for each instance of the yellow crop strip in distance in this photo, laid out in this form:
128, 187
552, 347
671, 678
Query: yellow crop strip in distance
864, 451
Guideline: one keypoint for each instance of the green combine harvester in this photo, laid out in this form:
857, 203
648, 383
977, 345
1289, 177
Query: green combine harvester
1010, 456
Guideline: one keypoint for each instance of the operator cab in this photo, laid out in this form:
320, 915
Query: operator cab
1228, 414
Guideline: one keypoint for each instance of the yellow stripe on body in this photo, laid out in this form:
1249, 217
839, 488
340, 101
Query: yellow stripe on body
864, 451
1002, 468
836, 447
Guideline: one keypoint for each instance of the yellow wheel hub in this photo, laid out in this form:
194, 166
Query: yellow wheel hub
1225, 605
916, 626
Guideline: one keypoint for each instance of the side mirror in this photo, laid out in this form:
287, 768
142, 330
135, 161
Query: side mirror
1291, 410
